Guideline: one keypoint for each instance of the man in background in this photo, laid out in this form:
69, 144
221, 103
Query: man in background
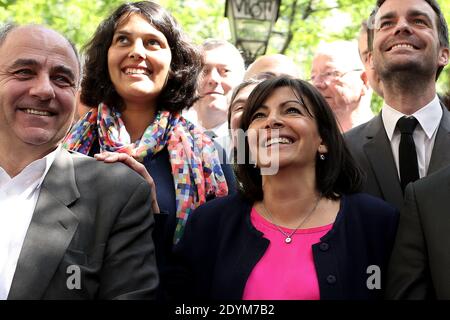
338, 74
274, 64
223, 70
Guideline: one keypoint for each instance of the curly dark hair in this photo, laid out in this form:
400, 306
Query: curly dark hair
338, 174
186, 65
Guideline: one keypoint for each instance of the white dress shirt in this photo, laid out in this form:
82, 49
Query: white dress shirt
424, 135
221, 130
18, 198
191, 115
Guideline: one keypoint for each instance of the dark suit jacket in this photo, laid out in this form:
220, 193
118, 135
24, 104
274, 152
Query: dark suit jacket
420, 263
97, 217
371, 148
220, 248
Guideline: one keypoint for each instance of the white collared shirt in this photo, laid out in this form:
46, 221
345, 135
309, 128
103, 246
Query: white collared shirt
18, 198
190, 115
221, 130
424, 135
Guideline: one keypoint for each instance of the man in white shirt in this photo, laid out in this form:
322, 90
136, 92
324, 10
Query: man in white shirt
223, 70
410, 49
70, 227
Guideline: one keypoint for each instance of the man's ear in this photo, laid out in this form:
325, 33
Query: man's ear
443, 58
370, 59
365, 80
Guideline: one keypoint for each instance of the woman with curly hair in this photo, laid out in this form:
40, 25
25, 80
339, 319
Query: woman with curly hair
140, 72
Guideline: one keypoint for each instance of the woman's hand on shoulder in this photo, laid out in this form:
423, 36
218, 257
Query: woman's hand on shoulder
111, 157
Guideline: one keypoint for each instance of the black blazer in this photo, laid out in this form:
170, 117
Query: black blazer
221, 247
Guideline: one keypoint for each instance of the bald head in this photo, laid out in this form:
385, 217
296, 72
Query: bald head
342, 53
278, 64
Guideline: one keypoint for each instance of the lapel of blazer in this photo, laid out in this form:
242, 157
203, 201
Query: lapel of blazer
440, 156
50, 232
379, 153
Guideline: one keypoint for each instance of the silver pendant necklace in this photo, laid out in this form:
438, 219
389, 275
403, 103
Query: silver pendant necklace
288, 236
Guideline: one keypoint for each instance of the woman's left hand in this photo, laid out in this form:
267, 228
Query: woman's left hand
110, 157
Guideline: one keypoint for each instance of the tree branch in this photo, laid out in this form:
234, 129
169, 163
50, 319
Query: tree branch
307, 12
290, 34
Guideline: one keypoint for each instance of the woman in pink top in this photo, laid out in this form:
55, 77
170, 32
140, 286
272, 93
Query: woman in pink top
298, 229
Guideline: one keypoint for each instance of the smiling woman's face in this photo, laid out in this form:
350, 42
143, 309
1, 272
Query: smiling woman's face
285, 128
138, 60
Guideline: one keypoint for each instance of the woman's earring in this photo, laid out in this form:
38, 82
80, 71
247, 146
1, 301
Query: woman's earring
322, 156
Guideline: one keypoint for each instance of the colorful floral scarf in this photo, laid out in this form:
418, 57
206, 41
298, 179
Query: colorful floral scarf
194, 160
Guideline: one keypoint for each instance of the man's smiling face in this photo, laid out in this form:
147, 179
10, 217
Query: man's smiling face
38, 81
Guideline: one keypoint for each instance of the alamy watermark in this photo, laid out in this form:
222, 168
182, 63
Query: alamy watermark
374, 280
73, 281
258, 147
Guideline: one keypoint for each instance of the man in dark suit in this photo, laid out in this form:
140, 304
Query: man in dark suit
409, 51
70, 227
420, 262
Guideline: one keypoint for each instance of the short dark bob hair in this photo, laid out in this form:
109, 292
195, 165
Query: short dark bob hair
181, 87
338, 174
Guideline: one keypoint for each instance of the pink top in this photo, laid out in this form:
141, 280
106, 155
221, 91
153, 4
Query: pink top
285, 271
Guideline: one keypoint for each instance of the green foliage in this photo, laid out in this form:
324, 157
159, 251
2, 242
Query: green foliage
77, 19
376, 103
201, 19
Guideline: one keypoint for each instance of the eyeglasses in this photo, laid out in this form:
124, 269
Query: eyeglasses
330, 76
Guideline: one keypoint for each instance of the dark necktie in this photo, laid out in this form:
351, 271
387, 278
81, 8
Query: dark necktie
409, 170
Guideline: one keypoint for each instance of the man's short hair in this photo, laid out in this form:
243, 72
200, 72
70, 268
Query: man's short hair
211, 44
5, 30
